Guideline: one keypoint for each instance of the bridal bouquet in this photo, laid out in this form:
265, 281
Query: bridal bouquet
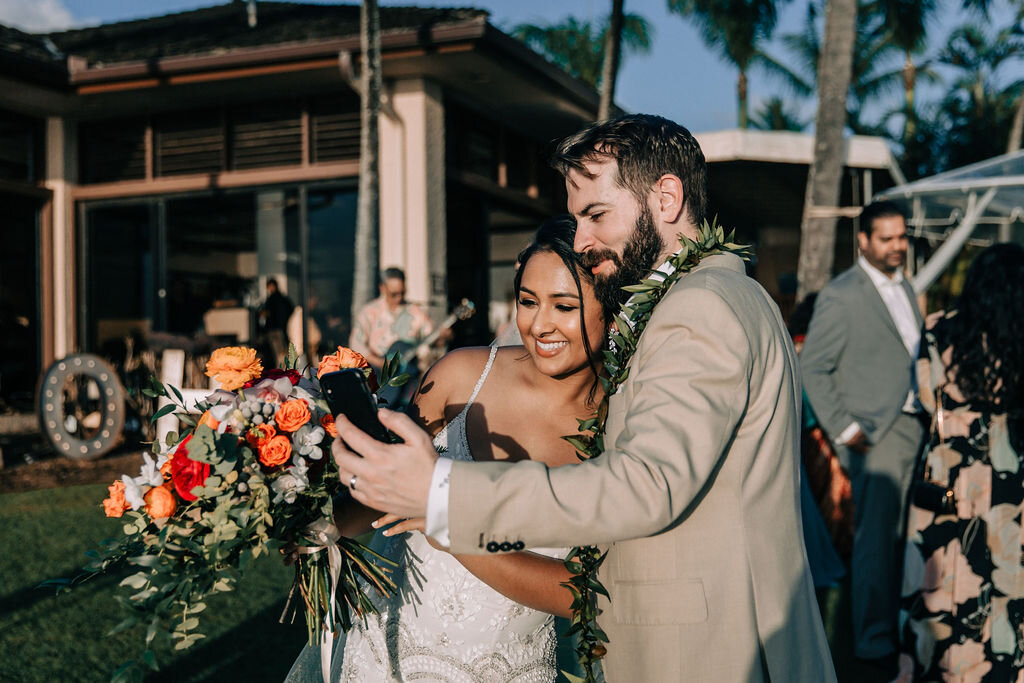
253, 474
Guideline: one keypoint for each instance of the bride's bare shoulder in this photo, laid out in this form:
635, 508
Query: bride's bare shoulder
458, 368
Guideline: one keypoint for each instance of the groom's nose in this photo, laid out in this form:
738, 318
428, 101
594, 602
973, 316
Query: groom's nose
584, 239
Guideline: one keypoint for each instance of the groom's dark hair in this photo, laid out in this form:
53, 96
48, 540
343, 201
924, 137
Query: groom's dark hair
646, 147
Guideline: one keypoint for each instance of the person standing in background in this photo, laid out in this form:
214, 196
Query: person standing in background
857, 364
963, 593
273, 320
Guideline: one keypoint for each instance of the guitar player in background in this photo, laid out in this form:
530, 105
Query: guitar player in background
389, 324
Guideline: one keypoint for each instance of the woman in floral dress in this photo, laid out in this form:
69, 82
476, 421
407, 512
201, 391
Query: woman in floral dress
963, 583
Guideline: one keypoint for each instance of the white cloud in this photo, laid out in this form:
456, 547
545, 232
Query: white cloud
36, 16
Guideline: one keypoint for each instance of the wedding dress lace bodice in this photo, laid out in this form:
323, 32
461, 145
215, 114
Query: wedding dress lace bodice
444, 624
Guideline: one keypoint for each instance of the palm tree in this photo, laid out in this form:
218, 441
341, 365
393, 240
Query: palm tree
610, 63
818, 227
736, 29
870, 76
977, 113
364, 278
578, 46
1017, 127
977, 57
774, 114
906, 22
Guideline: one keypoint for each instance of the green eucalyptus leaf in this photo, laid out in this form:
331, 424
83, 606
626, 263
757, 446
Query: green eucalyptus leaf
149, 658
135, 580
145, 561
123, 626
127, 673
166, 410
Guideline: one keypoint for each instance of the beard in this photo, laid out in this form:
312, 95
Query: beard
637, 260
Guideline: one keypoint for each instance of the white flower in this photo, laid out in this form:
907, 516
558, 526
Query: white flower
221, 397
288, 485
306, 392
150, 475
220, 412
307, 441
132, 493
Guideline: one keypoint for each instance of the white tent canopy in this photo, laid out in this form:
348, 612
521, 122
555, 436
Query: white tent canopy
980, 204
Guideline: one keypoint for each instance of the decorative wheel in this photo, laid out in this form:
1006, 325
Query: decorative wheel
81, 406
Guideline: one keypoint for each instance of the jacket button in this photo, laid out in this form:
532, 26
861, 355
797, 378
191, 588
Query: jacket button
518, 545
493, 547
505, 547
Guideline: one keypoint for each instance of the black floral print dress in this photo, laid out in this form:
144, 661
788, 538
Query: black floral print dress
962, 612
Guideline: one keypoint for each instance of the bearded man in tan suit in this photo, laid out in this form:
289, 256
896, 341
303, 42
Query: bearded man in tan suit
697, 490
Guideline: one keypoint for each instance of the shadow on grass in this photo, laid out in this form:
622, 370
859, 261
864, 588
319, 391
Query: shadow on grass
23, 598
257, 649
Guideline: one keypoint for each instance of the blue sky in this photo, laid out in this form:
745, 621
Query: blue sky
680, 78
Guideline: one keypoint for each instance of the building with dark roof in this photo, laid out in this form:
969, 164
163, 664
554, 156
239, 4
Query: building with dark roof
155, 170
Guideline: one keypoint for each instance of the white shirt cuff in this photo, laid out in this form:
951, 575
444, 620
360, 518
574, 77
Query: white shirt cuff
845, 435
437, 502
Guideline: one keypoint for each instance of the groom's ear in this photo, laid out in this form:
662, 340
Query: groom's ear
668, 198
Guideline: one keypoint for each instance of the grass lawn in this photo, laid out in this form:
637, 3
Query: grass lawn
44, 534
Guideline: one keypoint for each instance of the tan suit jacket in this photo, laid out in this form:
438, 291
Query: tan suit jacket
701, 469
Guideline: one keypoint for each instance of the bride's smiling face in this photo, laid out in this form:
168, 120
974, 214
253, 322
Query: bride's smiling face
549, 320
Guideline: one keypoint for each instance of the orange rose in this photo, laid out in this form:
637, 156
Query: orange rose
327, 422
165, 469
260, 434
233, 366
207, 419
276, 451
160, 502
116, 504
347, 358
292, 415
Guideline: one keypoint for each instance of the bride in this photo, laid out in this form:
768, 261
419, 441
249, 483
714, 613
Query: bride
477, 618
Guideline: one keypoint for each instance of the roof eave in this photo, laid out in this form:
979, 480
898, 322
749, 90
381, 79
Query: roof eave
584, 95
82, 74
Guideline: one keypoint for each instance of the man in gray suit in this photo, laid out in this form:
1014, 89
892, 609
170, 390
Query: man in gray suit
857, 366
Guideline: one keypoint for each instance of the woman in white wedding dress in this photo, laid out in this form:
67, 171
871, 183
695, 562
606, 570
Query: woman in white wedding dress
489, 618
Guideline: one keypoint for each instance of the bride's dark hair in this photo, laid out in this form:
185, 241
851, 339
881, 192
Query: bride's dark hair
555, 236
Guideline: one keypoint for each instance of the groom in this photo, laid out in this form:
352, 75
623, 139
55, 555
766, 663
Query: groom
697, 488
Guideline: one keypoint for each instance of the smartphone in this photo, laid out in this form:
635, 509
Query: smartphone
347, 393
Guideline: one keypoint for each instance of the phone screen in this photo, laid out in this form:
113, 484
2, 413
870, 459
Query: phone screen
346, 393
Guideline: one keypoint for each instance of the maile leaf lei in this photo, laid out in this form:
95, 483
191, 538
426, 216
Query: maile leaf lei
630, 322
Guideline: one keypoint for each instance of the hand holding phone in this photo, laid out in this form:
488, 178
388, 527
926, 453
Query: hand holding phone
347, 393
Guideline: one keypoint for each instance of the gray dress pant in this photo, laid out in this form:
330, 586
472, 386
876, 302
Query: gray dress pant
880, 481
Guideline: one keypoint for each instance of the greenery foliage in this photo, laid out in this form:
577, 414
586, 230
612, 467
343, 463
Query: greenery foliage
578, 46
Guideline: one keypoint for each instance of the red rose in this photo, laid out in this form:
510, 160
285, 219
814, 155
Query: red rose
187, 473
293, 375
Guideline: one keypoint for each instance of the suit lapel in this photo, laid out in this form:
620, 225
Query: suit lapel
912, 297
